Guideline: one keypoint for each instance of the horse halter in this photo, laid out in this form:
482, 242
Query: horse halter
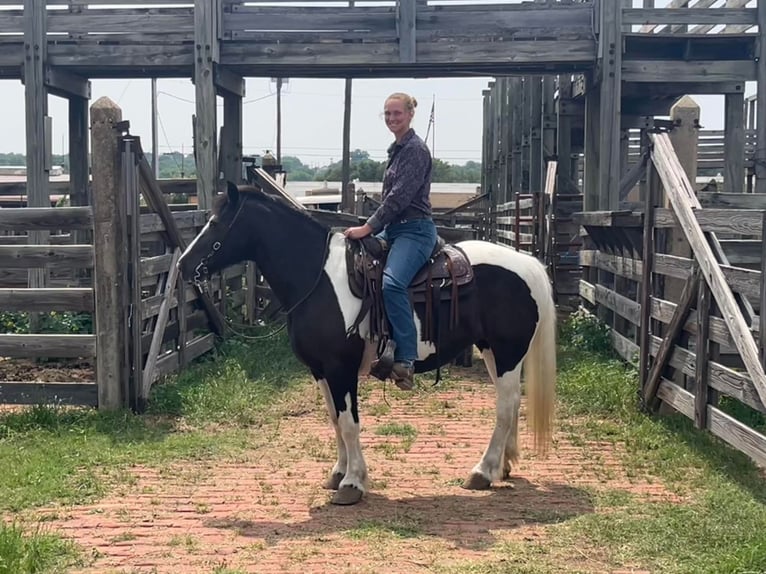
202, 265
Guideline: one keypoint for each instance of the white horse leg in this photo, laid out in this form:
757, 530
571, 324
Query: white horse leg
496, 457
354, 483
339, 470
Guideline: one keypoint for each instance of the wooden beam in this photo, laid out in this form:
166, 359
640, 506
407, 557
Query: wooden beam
45, 345
36, 393
681, 193
688, 295
228, 82
650, 200
591, 180
406, 17
66, 84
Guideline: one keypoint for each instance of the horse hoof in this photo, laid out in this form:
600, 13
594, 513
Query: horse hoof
347, 495
477, 482
333, 481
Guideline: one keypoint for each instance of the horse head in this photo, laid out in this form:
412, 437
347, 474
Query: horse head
221, 242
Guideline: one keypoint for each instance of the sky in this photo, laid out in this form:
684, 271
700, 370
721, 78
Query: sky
312, 115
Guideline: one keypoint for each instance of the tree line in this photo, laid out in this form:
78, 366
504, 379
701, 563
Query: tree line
177, 165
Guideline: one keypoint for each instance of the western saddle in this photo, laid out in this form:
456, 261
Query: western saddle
445, 277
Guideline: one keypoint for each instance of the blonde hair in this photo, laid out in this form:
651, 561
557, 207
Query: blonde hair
410, 103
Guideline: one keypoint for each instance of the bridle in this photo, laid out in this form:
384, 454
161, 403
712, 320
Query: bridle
202, 265
202, 268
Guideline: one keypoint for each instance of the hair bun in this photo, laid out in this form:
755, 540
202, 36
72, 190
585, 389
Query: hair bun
414, 102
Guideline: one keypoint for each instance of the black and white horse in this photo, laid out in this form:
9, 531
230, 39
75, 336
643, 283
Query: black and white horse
509, 316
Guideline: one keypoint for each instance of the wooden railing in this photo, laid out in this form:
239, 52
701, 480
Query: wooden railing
700, 352
694, 17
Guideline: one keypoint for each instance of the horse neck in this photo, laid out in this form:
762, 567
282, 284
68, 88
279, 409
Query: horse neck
290, 251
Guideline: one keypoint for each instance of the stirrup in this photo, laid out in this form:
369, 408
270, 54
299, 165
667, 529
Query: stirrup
381, 367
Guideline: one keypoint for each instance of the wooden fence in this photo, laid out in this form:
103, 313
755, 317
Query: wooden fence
691, 323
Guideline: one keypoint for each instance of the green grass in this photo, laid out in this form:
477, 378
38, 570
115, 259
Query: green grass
720, 525
37, 551
70, 455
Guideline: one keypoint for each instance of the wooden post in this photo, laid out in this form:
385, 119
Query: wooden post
130, 188
646, 277
487, 110
155, 133
610, 59
110, 276
564, 135
536, 135
702, 354
517, 129
526, 144
762, 325
760, 125
592, 133
38, 130
347, 195
232, 88
205, 55
734, 144
506, 120
79, 175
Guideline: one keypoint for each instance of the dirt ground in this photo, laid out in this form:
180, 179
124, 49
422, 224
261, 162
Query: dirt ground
266, 512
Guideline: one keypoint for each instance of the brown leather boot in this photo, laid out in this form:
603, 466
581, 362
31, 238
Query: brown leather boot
403, 376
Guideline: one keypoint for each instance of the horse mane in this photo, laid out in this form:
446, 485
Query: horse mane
255, 194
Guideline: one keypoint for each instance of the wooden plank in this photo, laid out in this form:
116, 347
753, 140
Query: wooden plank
642, 71
46, 345
46, 299
680, 315
688, 16
723, 379
46, 256
738, 221
169, 362
702, 350
729, 429
680, 192
151, 222
48, 393
45, 218
149, 374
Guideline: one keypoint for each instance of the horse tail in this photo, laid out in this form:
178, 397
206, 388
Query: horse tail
540, 366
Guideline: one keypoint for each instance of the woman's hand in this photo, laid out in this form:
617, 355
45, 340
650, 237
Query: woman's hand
358, 232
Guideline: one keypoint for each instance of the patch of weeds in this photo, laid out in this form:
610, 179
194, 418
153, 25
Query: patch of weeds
36, 551
123, 537
186, 541
406, 431
396, 527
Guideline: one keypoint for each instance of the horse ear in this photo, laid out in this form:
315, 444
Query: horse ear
233, 191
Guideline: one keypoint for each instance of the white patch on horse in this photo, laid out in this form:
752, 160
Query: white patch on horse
342, 461
356, 469
335, 268
195, 240
425, 348
504, 437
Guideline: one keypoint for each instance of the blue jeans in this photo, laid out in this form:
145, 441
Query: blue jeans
410, 245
